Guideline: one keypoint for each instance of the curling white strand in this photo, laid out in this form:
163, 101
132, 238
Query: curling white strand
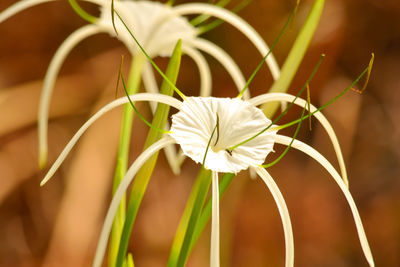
325, 163
283, 211
18, 7
152, 87
50, 79
237, 22
25, 4
271, 97
226, 61
123, 186
137, 97
214, 249
204, 69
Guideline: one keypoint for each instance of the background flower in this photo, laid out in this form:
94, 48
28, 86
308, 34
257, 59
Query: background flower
323, 228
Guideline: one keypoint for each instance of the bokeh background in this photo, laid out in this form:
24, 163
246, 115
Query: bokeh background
59, 224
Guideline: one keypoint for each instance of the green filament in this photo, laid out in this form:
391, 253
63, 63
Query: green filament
269, 52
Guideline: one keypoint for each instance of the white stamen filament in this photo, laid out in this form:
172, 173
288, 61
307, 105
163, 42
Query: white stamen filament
137, 97
123, 186
284, 140
237, 22
49, 81
214, 249
283, 211
271, 97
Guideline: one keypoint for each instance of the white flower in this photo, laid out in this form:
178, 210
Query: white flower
238, 120
194, 126
158, 27
202, 125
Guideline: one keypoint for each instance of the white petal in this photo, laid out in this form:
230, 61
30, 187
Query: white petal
271, 97
325, 163
137, 97
214, 249
283, 211
123, 186
238, 120
237, 22
18, 7
50, 79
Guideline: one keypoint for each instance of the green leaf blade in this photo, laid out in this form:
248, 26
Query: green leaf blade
143, 176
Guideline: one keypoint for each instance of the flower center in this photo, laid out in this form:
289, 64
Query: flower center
206, 127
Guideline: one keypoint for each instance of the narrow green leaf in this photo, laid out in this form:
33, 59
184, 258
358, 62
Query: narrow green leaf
122, 156
142, 178
191, 215
295, 56
129, 261
225, 181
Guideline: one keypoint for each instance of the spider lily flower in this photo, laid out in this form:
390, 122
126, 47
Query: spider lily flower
158, 27
206, 128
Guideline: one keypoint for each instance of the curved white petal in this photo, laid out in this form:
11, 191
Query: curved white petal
123, 186
236, 21
18, 7
25, 4
49, 81
271, 97
226, 61
283, 211
204, 69
325, 163
137, 97
214, 249
192, 129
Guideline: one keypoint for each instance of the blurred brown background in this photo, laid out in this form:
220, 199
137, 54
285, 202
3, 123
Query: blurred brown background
58, 225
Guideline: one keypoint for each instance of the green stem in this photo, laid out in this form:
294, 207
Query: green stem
142, 178
123, 154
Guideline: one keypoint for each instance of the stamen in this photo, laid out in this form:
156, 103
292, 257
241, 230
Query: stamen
82, 13
113, 17
331, 101
136, 110
287, 108
119, 75
309, 106
151, 60
290, 144
216, 127
371, 63
269, 52
216, 141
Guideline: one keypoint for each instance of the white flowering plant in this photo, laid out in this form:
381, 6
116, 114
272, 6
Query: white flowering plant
224, 135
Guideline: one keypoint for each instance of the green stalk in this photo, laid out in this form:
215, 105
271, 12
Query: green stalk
183, 238
143, 176
122, 157
295, 56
